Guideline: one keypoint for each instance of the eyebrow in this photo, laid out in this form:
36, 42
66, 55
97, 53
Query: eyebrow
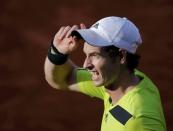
95, 53
92, 53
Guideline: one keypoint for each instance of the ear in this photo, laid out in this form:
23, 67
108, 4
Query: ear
123, 55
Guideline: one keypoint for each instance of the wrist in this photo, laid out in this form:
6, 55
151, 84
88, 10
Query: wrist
55, 56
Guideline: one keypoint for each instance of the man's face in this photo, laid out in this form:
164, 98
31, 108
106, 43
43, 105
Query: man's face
104, 69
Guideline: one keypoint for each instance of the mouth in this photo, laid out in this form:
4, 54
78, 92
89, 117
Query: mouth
95, 75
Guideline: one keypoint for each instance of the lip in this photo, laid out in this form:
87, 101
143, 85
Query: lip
93, 72
95, 75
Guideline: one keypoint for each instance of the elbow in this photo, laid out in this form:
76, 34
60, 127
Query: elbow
51, 82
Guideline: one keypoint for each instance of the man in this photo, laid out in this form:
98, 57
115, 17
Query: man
131, 100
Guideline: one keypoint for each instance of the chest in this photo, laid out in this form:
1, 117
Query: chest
114, 117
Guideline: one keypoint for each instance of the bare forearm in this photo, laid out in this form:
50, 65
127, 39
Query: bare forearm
60, 72
58, 75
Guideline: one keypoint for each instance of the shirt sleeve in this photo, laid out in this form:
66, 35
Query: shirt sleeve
86, 85
144, 123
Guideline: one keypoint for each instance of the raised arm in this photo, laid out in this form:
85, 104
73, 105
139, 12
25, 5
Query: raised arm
63, 76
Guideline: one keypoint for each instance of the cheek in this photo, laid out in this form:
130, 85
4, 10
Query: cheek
104, 71
110, 71
100, 65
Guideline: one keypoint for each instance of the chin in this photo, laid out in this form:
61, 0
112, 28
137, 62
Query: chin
98, 83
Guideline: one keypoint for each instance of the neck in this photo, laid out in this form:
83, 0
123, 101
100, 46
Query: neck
125, 82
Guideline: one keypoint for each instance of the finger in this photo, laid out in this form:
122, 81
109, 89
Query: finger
82, 26
74, 27
77, 40
60, 31
74, 44
64, 32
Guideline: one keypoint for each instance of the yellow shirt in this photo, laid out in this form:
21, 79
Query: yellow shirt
138, 110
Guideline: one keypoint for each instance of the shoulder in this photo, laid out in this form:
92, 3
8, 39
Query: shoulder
82, 74
145, 105
143, 99
144, 123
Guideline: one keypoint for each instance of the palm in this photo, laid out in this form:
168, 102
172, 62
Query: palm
63, 40
66, 45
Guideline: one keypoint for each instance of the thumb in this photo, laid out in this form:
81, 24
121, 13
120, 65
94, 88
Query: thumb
73, 44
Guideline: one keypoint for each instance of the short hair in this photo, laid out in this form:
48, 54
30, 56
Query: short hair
132, 60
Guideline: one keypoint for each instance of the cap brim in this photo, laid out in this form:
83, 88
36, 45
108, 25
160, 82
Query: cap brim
92, 37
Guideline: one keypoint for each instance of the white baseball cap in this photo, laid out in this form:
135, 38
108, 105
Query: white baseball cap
117, 31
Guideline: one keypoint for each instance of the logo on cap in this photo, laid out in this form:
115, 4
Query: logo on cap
96, 25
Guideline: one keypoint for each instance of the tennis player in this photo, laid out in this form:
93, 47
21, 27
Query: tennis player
131, 100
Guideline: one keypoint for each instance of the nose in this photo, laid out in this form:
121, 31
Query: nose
88, 64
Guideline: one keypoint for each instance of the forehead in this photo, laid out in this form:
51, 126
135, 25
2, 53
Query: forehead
90, 49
